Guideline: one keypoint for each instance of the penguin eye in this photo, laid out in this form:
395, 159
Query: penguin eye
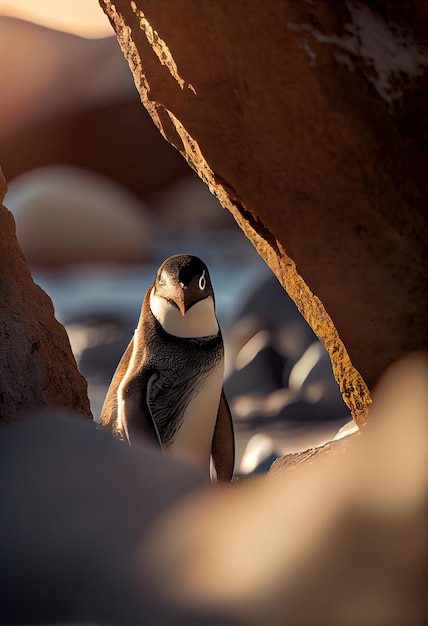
161, 279
202, 281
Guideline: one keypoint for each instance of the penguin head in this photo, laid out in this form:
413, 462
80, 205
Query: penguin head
183, 280
182, 298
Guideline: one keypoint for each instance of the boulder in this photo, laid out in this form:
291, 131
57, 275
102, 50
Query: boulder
68, 99
69, 545
36, 362
68, 215
306, 121
95, 531
336, 535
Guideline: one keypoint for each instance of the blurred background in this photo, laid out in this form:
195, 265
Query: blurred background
100, 199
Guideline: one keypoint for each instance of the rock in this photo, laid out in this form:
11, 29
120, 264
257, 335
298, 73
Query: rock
311, 378
68, 99
309, 538
76, 504
267, 312
279, 376
295, 459
37, 365
313, 138
69, 73
66, 215
187, 206
269, 302
98, 340
95, 531
257, 369
258, 456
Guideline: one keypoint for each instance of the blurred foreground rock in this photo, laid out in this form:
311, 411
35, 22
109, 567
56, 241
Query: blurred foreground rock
94, 531
339, 539
37, 367
313, 137
92, 498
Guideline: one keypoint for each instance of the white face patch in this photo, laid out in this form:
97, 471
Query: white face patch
199, 321
202, 281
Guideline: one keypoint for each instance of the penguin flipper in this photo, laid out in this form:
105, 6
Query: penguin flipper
223, 444
133, 416
134, 413
108, 415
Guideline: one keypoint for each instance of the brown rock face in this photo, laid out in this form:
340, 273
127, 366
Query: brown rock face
37, 367
305, 119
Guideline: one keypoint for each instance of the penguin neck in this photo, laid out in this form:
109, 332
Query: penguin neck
198, 321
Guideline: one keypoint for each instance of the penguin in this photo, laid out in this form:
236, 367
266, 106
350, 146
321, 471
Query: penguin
168, 386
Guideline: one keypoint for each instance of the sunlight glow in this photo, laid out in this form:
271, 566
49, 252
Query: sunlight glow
80, 17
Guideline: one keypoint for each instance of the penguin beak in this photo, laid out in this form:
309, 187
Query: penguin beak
181, 300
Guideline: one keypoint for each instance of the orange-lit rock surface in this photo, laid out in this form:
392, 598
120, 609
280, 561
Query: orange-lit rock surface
37, 367
306, 120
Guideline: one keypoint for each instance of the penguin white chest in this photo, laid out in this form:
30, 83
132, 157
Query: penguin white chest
199, 321
193, 440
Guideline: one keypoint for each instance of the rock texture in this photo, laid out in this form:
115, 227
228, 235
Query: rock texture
306, 121
37, 367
